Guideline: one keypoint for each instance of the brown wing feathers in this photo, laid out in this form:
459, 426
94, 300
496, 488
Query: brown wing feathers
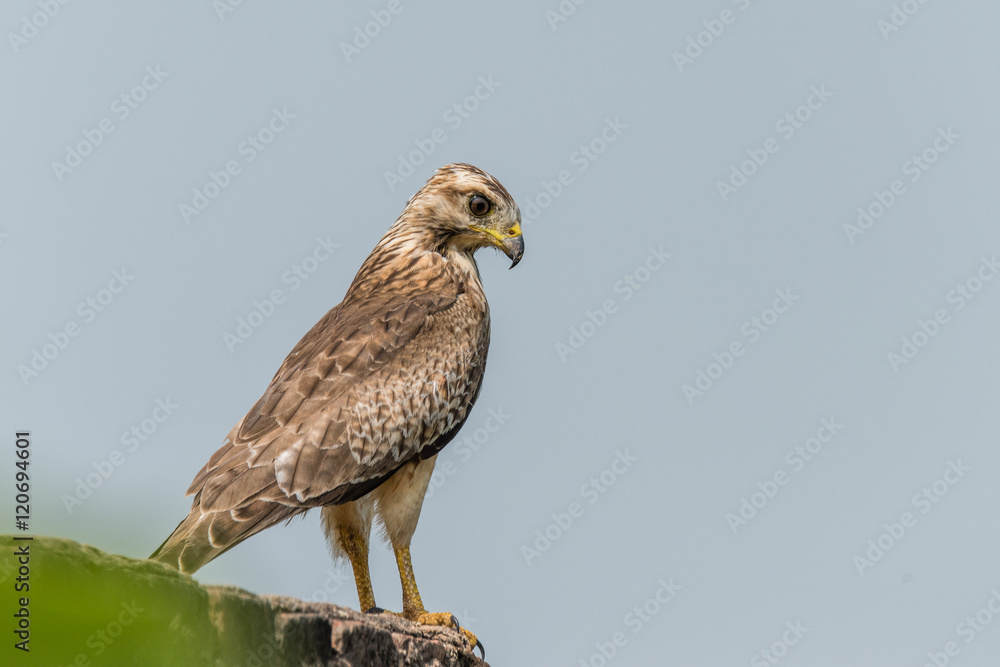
309, 440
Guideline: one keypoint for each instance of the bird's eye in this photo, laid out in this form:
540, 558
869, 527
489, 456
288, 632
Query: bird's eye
479, 205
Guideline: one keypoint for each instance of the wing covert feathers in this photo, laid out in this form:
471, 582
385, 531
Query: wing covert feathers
386, 373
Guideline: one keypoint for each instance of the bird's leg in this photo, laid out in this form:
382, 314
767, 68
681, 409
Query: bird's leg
413, 606
356, 546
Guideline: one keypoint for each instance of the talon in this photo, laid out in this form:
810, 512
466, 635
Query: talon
375, 610
445, 619
473, 642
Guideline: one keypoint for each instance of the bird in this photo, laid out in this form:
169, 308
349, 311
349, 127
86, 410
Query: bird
355, 416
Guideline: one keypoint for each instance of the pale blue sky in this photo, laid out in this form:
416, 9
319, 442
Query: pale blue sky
691, 176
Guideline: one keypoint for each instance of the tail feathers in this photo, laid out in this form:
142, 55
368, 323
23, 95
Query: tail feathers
200, 538
189, 547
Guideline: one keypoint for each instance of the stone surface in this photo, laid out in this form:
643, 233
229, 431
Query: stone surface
87, 607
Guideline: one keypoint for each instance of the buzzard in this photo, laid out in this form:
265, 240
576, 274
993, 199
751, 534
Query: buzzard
356, 415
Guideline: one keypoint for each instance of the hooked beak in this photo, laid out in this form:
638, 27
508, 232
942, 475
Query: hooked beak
511, 243
513, 247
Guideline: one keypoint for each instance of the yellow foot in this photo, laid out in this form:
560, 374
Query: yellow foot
440, 619
447, 620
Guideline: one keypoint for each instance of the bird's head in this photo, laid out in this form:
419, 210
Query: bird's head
462, 208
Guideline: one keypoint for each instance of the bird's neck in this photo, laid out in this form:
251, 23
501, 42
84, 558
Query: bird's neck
464, 260
403, 254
